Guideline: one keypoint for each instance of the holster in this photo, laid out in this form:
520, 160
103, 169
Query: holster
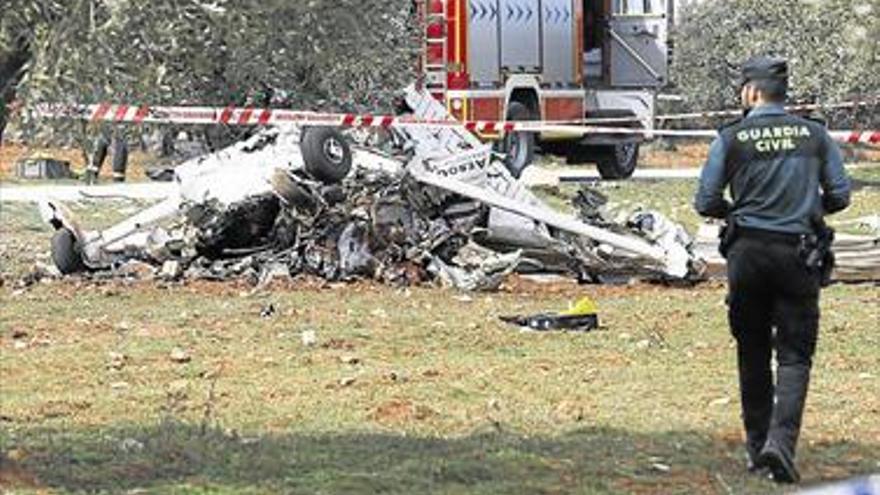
816, 251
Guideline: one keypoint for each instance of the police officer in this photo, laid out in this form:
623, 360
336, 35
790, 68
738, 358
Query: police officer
785, 173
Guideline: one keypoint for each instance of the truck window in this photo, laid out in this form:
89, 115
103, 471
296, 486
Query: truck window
633, 7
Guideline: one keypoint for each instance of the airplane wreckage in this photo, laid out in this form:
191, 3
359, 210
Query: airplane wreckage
429, 204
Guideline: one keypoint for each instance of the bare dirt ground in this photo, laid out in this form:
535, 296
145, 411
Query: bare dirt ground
310, 387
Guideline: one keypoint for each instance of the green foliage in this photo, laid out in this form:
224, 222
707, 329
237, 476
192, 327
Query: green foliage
326, 54
833, 47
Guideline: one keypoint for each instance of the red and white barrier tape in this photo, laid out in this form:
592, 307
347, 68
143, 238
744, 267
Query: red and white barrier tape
251, 116
857, 137
730, 113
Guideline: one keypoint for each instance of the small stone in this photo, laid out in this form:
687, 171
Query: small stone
350, 360
123, 326
18, 333
309, 338
119, 385
131, 445
20, 345
180, 356
347, 381
396, 376
117, 360
723, 401
865, 376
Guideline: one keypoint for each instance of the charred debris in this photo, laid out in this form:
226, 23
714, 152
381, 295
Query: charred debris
402, 207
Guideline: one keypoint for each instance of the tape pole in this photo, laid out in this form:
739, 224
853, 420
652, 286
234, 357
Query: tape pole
268, 117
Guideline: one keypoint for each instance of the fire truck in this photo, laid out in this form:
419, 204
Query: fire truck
553, 60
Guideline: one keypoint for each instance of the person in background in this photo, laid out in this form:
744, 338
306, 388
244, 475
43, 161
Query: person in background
109, 140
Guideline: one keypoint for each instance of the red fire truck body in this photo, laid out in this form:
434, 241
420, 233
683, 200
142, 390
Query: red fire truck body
553, 60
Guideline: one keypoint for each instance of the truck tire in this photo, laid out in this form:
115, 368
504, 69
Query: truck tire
326, 154
617, 161
518, 146
66, 252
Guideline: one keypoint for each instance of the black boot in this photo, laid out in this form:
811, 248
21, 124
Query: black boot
780, 462
753, 456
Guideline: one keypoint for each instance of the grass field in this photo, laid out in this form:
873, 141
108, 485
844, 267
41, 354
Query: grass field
151, 388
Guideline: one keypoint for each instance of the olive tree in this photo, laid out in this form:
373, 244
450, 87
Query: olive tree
326, 54
832, 46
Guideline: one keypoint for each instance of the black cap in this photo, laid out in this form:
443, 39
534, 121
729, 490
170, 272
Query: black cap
764, 68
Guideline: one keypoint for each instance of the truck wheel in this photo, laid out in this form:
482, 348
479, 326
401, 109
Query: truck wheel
518, 146
66, 252
326, 154
617, 161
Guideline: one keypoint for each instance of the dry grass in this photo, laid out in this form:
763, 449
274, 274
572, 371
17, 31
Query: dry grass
406, 391
430, 393
11, 154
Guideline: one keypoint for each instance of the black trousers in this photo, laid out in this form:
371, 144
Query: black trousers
773, 305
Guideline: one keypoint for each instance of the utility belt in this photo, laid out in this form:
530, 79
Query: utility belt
770, 236
814, 249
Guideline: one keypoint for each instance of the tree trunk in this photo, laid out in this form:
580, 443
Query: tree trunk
12, 65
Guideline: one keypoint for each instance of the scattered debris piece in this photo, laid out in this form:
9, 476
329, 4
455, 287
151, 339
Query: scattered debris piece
660, 467
171, 270
43, 168
268, 311
309, 338
857, 256
581, 317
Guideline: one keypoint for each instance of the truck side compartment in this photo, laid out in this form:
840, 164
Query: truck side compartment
562, 60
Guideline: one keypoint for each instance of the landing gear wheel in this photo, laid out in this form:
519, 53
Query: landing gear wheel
618, 161
67, 252
518, 146
326, 154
